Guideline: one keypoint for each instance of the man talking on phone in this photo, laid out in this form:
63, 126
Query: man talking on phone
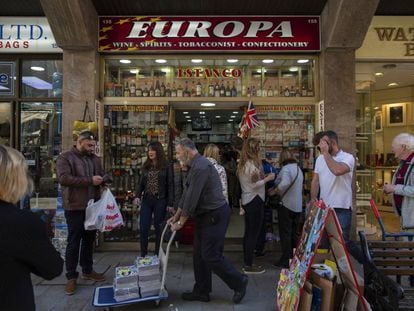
332, 179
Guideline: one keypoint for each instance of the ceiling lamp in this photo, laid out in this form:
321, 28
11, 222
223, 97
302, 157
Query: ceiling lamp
393, 84
160, 61
135, 71
37, 68
267, 61
207, 105
302, 61
196, 61
232, 60
125, 61
293, 69
379, 74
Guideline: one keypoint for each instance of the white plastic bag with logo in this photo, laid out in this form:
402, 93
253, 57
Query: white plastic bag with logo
104, 214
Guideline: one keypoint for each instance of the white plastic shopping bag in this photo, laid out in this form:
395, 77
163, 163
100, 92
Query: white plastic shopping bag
104, 214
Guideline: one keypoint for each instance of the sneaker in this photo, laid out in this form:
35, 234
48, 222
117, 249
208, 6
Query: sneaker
94, 276
70, 287
192, 296
253, 269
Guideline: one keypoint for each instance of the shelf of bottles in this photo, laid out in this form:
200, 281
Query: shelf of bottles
127, 131
133, 80
288, 127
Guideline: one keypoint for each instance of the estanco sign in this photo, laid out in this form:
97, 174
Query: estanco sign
211, 33
26, 34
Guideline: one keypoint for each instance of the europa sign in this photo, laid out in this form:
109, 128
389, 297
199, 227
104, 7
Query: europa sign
211, 33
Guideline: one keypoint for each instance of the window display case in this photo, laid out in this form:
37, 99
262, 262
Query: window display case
210, 78
41, 126
127, 131
288, 127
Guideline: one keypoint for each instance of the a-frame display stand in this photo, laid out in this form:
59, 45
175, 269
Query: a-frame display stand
292, 280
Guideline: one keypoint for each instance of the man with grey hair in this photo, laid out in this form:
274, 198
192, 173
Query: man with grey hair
203, 199
402, 185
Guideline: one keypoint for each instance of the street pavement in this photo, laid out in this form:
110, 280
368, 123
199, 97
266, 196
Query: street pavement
261, 290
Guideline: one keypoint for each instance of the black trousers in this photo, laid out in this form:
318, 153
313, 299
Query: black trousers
253, 219
210, 229
78, 239
288, 226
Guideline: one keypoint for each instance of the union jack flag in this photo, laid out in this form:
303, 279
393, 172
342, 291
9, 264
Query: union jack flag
251, 117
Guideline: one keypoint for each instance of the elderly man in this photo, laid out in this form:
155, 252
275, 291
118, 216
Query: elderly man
203, 199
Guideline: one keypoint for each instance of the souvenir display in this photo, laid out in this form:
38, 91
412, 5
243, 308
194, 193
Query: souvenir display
292, 280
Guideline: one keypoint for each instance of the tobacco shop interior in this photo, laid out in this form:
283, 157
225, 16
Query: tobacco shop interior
204, 99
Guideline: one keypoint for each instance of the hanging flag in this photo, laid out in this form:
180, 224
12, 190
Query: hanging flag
251, 117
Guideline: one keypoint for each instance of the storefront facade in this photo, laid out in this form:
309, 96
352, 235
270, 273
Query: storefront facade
31, 98
160, 98
385, 88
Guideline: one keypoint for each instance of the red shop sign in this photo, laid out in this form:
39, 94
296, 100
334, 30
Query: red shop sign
211, 33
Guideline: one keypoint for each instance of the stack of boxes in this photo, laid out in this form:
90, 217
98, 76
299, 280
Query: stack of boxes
126, 283
149, 277
143, 279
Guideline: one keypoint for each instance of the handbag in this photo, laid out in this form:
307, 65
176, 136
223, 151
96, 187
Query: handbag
86, 124
275, 199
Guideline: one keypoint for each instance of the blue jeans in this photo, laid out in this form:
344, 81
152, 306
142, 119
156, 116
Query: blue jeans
151, 205
345, 219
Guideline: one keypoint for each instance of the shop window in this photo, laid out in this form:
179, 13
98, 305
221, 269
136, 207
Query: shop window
41, 78
210, 78
41, 125
7, 78
5, 123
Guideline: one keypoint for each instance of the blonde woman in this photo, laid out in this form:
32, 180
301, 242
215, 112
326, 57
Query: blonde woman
24, 244
252, 181
212, 153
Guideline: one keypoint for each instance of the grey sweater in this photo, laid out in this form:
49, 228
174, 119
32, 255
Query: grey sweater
292, 199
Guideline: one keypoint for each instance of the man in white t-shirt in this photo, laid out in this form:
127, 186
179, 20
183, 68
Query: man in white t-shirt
332, 179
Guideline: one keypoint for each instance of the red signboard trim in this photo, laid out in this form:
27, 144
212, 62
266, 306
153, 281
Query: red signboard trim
210, 33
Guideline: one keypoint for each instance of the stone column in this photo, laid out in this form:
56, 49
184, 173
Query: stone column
337, 80
74, 24
80, 84
344, 24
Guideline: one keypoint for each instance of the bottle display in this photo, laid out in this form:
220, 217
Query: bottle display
126, 135
153, 82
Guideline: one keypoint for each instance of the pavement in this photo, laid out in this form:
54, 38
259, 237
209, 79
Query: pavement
261, 289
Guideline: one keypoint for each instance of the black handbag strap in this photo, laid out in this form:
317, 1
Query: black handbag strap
86, 111
290, 186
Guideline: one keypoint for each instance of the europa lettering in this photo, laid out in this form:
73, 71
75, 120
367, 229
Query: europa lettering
206, 29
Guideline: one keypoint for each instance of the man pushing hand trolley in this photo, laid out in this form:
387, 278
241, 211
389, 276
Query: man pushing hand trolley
104, 296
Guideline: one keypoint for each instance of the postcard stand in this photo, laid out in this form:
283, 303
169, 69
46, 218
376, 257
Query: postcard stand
292, 280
